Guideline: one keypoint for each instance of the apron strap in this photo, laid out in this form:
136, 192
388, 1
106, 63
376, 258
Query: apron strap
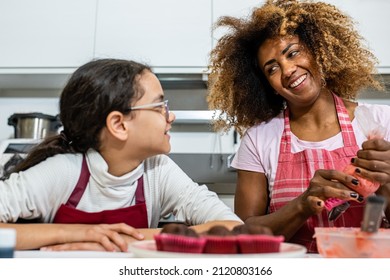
82, 183
345, 123
78, 191
349, 138
139, 192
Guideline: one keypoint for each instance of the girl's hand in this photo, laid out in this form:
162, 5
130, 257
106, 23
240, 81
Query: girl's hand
328, 184
107, 237
77, 246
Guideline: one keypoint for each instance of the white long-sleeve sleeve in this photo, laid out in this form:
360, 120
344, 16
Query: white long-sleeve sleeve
39, 191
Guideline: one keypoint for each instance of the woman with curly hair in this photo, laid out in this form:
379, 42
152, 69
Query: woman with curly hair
286, 79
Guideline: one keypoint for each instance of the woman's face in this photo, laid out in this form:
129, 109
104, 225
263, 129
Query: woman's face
290, 69
149, 125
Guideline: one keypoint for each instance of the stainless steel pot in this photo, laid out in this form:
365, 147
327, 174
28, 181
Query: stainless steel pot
34, 125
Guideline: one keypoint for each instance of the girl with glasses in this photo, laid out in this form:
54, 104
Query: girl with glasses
106, 179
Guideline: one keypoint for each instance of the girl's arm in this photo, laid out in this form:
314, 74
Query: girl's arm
109, 237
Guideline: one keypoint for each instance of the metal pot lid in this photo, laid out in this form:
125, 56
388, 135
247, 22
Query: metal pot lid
12, 119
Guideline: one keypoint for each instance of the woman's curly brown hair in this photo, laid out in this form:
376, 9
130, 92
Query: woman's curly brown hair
239, 90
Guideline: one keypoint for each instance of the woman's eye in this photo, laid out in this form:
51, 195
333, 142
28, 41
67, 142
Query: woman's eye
293, 53
271, 70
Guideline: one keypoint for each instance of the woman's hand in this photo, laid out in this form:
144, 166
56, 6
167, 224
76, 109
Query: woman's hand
96, 237
328, 184
373, 161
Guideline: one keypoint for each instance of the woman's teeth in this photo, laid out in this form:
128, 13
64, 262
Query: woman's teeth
298, 82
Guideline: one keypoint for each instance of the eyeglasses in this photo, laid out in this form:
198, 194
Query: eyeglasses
163, 105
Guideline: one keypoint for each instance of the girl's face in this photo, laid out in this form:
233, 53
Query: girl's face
290, 69
150, 126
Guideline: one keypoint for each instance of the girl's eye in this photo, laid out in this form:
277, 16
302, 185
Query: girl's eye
159, 108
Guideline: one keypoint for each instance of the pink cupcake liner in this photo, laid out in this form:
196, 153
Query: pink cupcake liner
179, 243
255, 244
220, 245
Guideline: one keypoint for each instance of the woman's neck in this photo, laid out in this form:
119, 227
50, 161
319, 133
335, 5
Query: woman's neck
316, 122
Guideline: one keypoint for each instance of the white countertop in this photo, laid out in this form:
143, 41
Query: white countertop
71, 254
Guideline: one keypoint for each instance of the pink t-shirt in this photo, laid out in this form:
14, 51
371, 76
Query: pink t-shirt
259, 147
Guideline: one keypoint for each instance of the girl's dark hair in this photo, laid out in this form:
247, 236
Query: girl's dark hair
92, 92
239, 90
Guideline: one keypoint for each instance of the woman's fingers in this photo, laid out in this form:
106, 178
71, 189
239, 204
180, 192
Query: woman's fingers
316, 204
333, 184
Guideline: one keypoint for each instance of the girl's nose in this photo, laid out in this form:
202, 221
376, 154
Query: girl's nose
172, 117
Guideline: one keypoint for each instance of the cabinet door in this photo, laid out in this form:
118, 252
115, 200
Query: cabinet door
233, 8
169, 33
46, 33
373, 23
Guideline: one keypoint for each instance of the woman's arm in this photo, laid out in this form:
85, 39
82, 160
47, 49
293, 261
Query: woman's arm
251, 200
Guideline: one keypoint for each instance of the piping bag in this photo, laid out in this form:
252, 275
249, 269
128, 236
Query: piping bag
372, 130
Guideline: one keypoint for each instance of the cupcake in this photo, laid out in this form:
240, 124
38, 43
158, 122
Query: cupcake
219, 240
259, 243
179, 238
179, 229
251, 229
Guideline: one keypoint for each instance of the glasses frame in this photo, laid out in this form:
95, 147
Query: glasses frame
154, 105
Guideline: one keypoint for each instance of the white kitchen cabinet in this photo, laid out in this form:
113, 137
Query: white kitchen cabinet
373, 22
169, 35
233, 8
46, 34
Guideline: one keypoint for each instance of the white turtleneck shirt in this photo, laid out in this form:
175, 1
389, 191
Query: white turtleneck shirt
39, 191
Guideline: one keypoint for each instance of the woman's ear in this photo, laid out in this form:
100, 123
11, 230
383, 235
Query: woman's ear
116, 125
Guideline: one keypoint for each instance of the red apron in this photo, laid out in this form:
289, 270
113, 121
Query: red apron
294, 172
135, 216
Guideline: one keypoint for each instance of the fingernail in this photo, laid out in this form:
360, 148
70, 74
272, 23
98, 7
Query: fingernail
360, 198
354, 195
352, 160
355, 181
357, 170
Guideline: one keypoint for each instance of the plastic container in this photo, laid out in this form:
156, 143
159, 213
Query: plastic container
7, 242
352, 243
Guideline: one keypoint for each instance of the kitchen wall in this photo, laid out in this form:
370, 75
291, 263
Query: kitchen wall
200, 137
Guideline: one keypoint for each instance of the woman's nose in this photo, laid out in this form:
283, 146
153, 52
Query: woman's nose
288, 68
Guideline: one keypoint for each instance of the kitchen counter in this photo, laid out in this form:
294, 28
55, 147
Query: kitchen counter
70, 254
